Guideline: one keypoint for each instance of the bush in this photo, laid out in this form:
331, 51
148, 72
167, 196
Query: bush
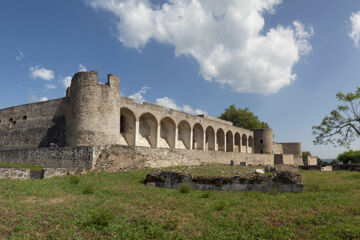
322, 163
349, 157
89, 189
220, 206
205, 195
74, 180
100, 218
171, 225
184, 189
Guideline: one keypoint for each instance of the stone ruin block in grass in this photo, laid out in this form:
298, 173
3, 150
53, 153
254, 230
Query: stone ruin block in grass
280, 179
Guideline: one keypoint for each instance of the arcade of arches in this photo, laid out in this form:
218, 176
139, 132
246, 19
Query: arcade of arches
147, 131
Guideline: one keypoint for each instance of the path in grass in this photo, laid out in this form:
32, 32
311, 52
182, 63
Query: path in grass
119, 206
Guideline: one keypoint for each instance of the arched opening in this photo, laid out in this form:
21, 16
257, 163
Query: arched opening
127, 127
184, 135
220, 139
243, 143
237, 145
210, 138
167, 133
229, 141
251, 144
147, 130
198, 137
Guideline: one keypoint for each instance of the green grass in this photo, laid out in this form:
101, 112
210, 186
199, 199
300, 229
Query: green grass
17, 165
121, 207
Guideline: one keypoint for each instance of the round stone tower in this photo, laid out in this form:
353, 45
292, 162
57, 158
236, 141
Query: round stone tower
263, 140
93, 112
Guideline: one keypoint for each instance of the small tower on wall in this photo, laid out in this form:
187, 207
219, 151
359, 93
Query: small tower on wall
263, 140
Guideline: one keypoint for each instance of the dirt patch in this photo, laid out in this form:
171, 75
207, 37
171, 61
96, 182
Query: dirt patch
46, 201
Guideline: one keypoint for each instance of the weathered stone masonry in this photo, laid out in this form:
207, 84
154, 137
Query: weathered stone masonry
94, 114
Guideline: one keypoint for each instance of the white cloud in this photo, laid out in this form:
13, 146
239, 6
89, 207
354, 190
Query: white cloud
355, 28
20, 55
170, 103
33, 98
225, 37
82, 68
139, 96
50, 86
43, 73
66, 81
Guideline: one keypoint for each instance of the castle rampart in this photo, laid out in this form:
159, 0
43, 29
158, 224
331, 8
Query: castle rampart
33, 125
94, 114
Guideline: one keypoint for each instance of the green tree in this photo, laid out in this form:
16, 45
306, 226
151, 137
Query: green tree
242, 118
342, 126
349, 157
305, 154
322, 163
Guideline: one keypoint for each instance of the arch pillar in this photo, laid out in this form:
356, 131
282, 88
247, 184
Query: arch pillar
204, 141
225, 142
216, 144
137, 132
191, 137
158, 131
176, 136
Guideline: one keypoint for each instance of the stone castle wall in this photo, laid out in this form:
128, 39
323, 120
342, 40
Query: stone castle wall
33, 125
117, 157
94, 114
62, 157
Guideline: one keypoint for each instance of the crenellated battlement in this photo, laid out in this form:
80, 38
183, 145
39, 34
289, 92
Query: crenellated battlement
91, 79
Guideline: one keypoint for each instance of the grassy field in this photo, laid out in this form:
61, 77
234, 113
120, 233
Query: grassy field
119, 206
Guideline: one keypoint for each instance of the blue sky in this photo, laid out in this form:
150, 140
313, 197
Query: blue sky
43, 42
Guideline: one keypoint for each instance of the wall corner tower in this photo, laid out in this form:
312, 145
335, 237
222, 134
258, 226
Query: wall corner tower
93, 111
263, 140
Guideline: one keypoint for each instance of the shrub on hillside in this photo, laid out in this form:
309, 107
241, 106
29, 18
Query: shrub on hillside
349, 157
184, 189
100, 218
74, 179
89, 189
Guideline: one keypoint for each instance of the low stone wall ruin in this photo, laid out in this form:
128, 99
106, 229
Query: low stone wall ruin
15, 173
282, 181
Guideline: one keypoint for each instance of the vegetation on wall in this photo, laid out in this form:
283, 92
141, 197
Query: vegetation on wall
342, 126
349, 157
242, 118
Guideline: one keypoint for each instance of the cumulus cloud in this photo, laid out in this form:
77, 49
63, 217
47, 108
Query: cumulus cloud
170, 103
33, 98
50, 86
225, 37
66, 81
139, 96
355, 28
82, 68
20, 55
43, 73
